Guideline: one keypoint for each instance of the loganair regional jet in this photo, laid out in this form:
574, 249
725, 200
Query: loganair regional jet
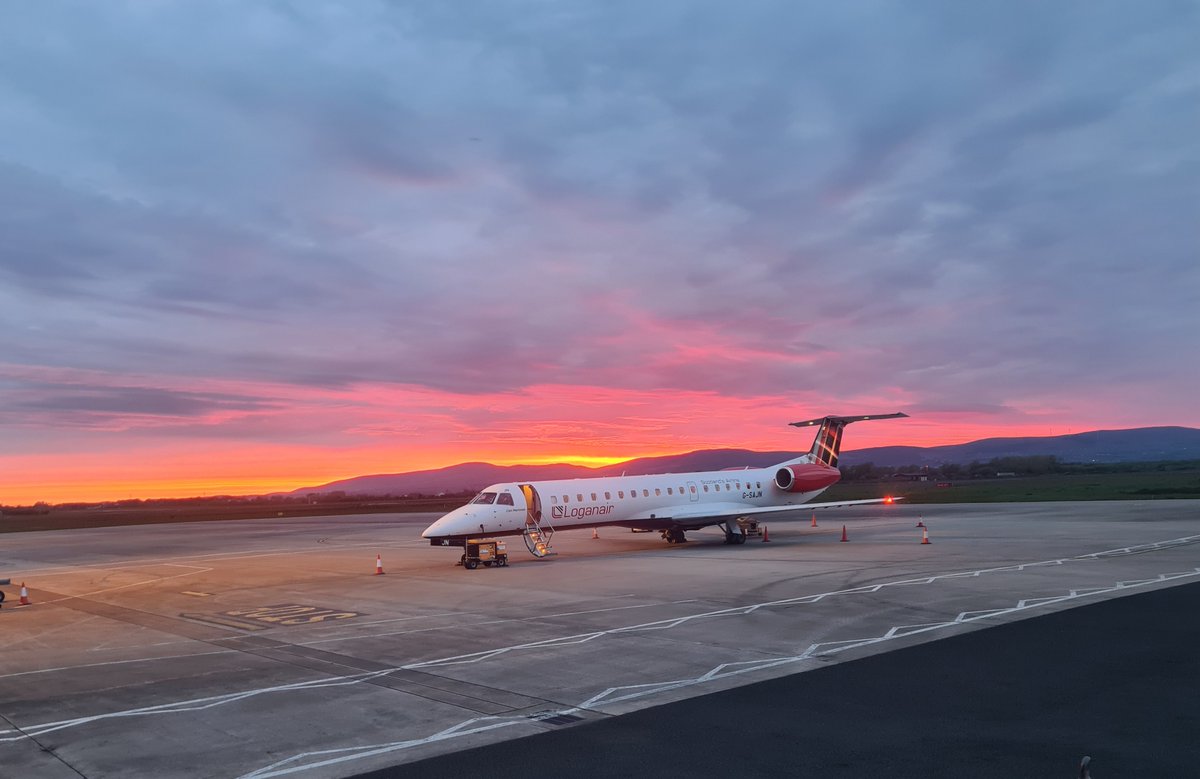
671, 503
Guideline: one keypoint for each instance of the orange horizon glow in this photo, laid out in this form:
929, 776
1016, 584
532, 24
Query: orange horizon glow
96, 480
306, 437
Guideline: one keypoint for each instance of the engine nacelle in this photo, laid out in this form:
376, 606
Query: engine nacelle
805, 478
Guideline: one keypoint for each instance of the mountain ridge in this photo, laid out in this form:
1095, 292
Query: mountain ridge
1101, 446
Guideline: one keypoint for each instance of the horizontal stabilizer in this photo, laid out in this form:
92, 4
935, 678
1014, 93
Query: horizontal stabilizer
848, 420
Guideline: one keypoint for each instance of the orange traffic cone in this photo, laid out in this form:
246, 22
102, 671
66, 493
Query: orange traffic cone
766, 537
924, 535
378, 565
595, 533
844, 533
814, 524
24, 596
920, 523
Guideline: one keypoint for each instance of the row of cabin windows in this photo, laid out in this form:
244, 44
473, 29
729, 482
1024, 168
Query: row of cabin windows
657, 492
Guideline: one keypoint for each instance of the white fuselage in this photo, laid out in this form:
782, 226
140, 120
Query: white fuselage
683, 500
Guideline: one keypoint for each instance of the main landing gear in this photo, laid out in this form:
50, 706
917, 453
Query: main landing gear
734, 533
674, 535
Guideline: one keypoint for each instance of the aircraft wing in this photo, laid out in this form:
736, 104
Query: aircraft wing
711, 514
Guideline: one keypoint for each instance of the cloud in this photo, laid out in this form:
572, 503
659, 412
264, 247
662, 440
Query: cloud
948, 206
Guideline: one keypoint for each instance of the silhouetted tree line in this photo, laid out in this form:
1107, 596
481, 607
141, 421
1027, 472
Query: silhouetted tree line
1036, 465
312, 498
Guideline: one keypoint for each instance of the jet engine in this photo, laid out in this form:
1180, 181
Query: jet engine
805, 478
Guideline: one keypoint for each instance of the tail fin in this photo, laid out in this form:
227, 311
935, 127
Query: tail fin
829, 438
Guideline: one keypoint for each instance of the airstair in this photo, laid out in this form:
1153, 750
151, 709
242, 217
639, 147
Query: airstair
537, 533
537, 539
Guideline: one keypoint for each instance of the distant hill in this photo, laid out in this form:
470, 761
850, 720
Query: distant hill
1101, 446
472, 476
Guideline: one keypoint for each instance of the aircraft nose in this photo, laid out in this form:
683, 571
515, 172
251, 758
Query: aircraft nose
443, 526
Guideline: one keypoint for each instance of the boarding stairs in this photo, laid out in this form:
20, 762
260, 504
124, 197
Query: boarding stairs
537, 536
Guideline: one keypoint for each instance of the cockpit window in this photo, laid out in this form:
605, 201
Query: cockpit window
504, 499
485, 497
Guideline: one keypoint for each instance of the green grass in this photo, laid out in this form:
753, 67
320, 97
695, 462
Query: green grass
1104, 486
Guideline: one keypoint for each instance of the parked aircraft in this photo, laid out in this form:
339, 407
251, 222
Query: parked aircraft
672, 503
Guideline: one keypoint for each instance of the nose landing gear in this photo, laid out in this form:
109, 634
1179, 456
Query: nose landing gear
674, 535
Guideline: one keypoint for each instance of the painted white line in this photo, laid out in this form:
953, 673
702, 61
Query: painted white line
641, 690
468, 728
60, 570
127, 586
409, 619
472, 625
667, 624
116, 662
834, 647
197, 704
598, 611
356, 625
336, 639
297, 764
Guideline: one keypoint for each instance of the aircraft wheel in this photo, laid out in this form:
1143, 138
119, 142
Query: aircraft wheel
471, 564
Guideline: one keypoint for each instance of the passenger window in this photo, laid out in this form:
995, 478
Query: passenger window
579, 497
657, 492
566, 498
693, 488
669, 491
621, 494
593, 496
607, 495
706, 488
505, 499
645, 493
554, 499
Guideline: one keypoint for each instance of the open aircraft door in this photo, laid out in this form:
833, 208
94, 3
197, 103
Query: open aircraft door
533, 504
537, 535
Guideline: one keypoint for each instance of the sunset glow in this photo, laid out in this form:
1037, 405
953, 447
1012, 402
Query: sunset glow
249, 251
328, 435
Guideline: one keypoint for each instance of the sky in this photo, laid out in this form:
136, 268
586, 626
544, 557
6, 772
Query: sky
253, 246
